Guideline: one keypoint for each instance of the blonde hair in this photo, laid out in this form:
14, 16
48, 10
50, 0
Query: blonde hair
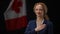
44, 7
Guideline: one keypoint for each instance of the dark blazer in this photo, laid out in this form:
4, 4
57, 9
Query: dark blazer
32, 24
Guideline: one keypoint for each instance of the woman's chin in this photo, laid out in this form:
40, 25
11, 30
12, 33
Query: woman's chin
38, 16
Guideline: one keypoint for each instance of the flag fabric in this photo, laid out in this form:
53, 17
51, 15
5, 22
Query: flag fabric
15, 15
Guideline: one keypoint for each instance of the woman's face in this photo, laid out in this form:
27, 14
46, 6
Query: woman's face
39, 11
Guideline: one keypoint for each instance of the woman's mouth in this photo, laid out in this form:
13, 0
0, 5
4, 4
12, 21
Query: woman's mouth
39, 13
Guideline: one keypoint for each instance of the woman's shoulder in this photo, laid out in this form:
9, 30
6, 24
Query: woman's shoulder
49, 22
31, 20
31, 23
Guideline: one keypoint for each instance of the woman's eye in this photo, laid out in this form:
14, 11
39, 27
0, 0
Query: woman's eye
41, 9
36, 9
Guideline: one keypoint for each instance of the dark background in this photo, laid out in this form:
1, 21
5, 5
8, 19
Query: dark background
53, 14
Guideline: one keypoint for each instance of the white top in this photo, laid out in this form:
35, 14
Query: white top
38, 24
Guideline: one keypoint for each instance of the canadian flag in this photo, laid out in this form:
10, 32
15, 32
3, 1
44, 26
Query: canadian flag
15, 15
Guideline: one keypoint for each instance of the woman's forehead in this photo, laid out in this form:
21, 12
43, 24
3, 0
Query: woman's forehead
39, 6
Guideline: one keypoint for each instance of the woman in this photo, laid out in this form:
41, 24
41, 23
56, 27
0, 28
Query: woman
41, 25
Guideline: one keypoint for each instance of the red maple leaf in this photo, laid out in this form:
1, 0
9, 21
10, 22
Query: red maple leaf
16, 6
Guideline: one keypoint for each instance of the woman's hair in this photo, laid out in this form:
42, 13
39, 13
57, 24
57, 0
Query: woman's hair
44, 7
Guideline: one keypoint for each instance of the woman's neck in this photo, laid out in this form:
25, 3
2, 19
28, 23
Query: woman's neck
40, 18
39, 21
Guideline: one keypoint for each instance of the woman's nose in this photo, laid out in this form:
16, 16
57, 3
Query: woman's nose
39, 11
